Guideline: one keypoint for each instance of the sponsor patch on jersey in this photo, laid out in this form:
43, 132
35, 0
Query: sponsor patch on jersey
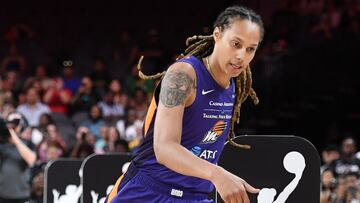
212, 135
196, 150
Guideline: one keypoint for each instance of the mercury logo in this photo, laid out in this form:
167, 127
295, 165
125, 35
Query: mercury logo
212, 135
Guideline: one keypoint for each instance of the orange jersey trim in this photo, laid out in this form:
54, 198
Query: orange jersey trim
114, 191
149, 115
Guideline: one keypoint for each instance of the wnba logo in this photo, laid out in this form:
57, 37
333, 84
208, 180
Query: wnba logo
213, 134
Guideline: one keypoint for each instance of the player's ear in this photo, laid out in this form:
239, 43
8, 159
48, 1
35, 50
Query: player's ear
216, 34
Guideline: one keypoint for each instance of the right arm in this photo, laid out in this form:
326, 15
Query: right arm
26, 153
178, 91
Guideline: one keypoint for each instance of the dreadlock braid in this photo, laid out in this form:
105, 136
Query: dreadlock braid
191, 40
243, 85
202, 46
251, 91
242, 79
198, 46
248, 83
148, 77
254, 96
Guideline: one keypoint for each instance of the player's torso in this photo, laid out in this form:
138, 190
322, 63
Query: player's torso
206, 125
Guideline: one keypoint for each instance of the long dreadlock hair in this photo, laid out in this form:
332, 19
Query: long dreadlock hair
202, 46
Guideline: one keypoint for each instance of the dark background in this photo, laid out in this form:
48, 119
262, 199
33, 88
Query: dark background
308, 87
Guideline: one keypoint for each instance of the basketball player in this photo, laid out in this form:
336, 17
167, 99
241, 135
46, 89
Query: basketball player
191, 116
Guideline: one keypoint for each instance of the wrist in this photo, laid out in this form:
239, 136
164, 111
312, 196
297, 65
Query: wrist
13, 135
214, 173
16, 140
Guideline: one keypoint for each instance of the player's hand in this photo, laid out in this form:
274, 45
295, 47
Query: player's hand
231, 188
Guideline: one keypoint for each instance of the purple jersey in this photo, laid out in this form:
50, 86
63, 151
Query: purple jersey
206, 125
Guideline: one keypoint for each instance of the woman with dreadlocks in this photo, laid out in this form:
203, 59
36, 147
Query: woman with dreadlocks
192, 114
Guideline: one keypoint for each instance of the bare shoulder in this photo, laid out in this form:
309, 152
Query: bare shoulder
184, 68
178, 85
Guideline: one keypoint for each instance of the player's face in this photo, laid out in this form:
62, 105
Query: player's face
236, 45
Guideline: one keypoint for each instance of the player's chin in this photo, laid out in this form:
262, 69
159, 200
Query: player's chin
234, 71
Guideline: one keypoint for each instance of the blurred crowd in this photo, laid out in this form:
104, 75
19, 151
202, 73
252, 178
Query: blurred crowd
65, 114
74, 106
340, 173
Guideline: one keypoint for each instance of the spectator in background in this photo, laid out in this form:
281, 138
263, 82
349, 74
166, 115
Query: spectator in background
45, 120
352, 192
100, 76
48, 150
130, 129
57, 97
54, 135
16, 156
6, 108
33, 108
329, 190
41, 131
111, 111
344, 189
85, 97
348, 163
84, 145
95, 121
11, 86
21, 98
41, 74
35, 84
133, 82
328, 155
5, 96
50, 137
14, 61
26, 134
101, 143
71, 81
119, 96
113, 138
140, 103
37, 188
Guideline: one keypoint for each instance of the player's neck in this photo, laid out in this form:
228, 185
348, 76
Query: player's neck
217, 73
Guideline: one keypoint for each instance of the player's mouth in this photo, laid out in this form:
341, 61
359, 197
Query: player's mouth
235, 66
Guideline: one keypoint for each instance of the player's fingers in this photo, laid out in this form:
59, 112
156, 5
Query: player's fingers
236, 199
240, 200
244, 196
250, 188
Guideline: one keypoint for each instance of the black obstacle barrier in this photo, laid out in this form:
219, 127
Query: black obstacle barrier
100, 173
285, 168
62, 181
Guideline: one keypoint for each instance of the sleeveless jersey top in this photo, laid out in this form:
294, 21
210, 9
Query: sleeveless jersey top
206, 125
